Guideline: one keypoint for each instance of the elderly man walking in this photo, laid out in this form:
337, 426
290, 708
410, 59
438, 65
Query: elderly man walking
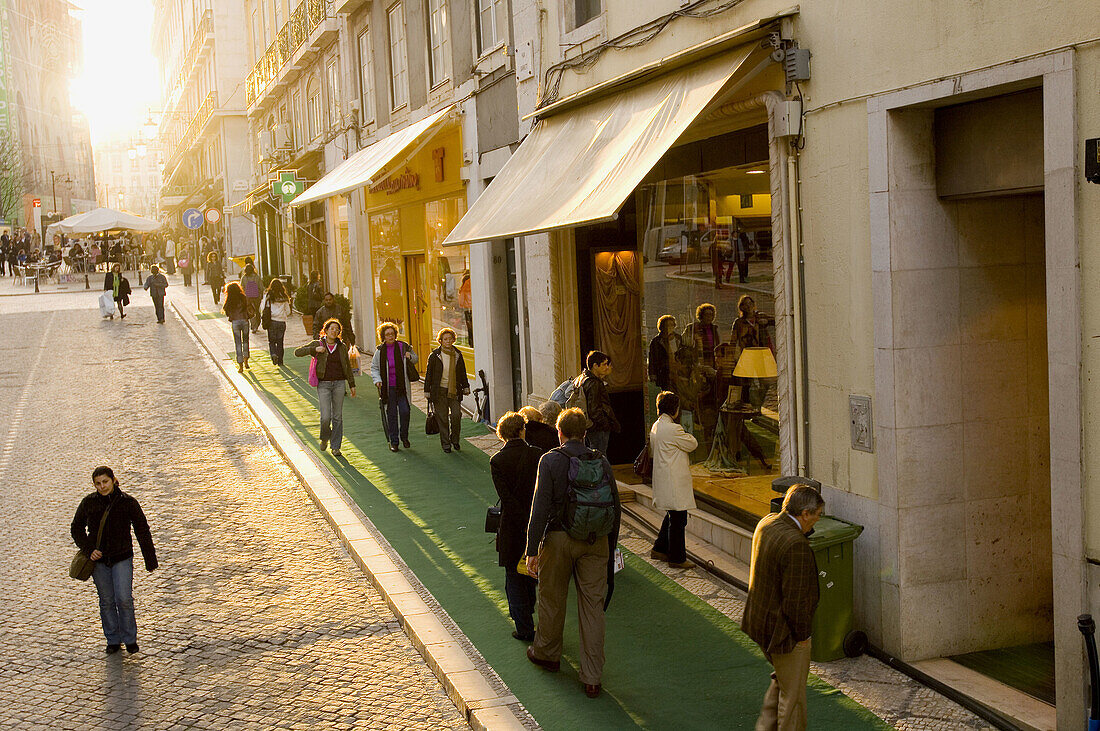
157, 286
783, 596
573, 528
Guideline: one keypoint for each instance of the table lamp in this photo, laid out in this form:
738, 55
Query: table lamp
756, 363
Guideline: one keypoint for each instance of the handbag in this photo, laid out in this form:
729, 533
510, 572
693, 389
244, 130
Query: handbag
431, 426
411, 372
643, 463
313, 380
265, 316
81, 567
492, 518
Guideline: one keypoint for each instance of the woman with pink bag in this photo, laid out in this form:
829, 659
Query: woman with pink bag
330, 372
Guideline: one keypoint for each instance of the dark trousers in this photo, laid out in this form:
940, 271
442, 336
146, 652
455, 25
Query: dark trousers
448, 415
670, 540
158, 305
216, 290
520, 591
397, 416
275, 335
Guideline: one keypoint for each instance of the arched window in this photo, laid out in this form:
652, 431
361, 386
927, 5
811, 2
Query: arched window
313, 107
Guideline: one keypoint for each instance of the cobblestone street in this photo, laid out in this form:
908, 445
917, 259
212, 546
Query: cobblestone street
256, 617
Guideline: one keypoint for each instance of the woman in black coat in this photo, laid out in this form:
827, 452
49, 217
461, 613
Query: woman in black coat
113, 573
117, 283
514, 469
542, 430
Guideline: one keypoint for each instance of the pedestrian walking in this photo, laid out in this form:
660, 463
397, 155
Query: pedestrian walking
334, 379
673, 492
539, 430
276, 310
514, 469
238, 310
101, 529
590, 395
120, 289
315, 295
215, 276
564, 544
445, 383
156, 284
389, 369
253, 288
330, 309
779, 610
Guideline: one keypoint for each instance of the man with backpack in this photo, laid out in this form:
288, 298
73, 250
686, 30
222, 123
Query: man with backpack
590, 395
571, 534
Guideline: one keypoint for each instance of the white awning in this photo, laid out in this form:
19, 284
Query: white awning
580, 166
360, 169
106, 219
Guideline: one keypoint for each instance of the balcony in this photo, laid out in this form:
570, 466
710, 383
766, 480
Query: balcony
204, 37
194, 130
295, 33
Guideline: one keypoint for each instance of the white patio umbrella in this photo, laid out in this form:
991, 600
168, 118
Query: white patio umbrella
106, 219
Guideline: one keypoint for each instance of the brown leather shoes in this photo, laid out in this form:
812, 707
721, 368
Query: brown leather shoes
681, 565
657, 555
593, 691
551, 665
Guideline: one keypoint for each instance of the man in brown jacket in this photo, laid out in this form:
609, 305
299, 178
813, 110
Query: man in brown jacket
779, 612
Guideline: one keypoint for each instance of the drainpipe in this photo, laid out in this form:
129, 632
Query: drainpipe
794, 432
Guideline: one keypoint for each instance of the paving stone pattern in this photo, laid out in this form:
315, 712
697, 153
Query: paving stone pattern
257, 618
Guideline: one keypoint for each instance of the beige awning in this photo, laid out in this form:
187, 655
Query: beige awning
580, 166
360, 169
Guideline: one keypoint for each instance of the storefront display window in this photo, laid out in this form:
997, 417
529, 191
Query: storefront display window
342, 281
708, 328
385, 236
450, 286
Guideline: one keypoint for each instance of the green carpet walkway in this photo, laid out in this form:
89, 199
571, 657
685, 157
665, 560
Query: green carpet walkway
673, 661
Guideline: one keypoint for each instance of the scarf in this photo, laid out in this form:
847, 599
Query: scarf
452, 358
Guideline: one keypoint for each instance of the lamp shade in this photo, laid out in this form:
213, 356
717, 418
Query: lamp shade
756, 363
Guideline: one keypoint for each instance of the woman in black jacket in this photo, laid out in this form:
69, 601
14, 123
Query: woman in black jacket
445, 383
114, 555
334, 376
120, 286
514, 469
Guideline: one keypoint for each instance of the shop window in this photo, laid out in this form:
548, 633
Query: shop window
389, 285
438, 44
399, 72
449, 269
708, 327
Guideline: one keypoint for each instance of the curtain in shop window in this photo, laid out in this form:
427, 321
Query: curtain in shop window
617, 310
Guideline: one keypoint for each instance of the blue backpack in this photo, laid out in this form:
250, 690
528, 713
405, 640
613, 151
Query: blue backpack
562, 392
589, 511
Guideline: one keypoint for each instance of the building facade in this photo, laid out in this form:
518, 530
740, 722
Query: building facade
45, 147
128, 175
203, 128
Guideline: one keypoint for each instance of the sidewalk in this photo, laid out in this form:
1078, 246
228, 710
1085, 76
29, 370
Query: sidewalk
673, 660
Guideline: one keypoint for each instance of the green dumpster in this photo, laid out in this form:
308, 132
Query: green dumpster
833, 636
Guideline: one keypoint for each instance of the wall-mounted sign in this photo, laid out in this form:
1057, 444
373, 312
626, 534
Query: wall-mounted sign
397, 183
287, 186
36, 203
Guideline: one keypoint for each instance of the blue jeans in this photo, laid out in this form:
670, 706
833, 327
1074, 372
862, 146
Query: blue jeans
597, 440
115, 586
520, 591
240, 339
330, 395
397, 406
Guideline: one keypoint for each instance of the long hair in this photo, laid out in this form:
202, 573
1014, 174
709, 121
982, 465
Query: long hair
234, 297
276, 291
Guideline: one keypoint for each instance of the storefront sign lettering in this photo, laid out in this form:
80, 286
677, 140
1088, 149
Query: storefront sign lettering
437, 157
397, 183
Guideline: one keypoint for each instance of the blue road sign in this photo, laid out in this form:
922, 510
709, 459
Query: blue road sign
192, 218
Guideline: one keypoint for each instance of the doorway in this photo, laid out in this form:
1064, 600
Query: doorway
420, 317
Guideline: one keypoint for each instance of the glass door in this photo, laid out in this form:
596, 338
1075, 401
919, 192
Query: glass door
420, 316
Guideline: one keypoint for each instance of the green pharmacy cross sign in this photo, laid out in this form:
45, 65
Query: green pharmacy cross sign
287, 187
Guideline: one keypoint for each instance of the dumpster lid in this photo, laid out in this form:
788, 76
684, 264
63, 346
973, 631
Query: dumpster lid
782, 484
830, 531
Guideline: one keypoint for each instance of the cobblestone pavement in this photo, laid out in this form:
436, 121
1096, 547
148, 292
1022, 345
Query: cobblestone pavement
256, 617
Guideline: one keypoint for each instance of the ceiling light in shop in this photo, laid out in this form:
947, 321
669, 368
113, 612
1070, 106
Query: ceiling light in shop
755, 172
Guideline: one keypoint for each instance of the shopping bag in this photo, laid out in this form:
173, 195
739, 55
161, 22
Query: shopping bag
618, 563
107, 303
431, 426
313, 380
353, 357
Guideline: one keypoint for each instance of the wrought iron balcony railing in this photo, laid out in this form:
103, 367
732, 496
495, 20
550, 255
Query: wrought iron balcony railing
296, 31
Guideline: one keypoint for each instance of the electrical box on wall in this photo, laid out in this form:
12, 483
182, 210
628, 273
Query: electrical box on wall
1092, 160
788, 119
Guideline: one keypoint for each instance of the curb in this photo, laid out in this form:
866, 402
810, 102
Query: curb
477, 695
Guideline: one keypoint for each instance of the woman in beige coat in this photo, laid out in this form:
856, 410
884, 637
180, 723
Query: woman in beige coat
671, 447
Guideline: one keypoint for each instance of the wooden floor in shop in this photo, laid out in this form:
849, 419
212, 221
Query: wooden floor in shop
742, 500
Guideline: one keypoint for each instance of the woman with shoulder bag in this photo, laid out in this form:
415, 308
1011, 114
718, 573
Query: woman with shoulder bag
253, 289
277, 306
120, 289
238, 310
215, 277
673, 491
334, 376
445, 383
392, 369
113, 573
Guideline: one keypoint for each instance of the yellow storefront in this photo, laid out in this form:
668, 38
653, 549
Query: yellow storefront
418, 284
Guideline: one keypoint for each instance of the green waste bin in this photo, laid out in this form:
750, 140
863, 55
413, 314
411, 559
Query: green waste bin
833, 545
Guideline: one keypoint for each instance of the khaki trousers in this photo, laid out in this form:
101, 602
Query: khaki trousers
562, 557
785, 702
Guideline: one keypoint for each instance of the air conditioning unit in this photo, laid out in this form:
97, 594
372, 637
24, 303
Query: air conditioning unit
267, 144
284, 137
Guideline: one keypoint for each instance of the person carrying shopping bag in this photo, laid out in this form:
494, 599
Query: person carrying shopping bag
392, 369
445, 383
332, 375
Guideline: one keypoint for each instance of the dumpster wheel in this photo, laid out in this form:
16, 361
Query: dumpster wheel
855, 643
